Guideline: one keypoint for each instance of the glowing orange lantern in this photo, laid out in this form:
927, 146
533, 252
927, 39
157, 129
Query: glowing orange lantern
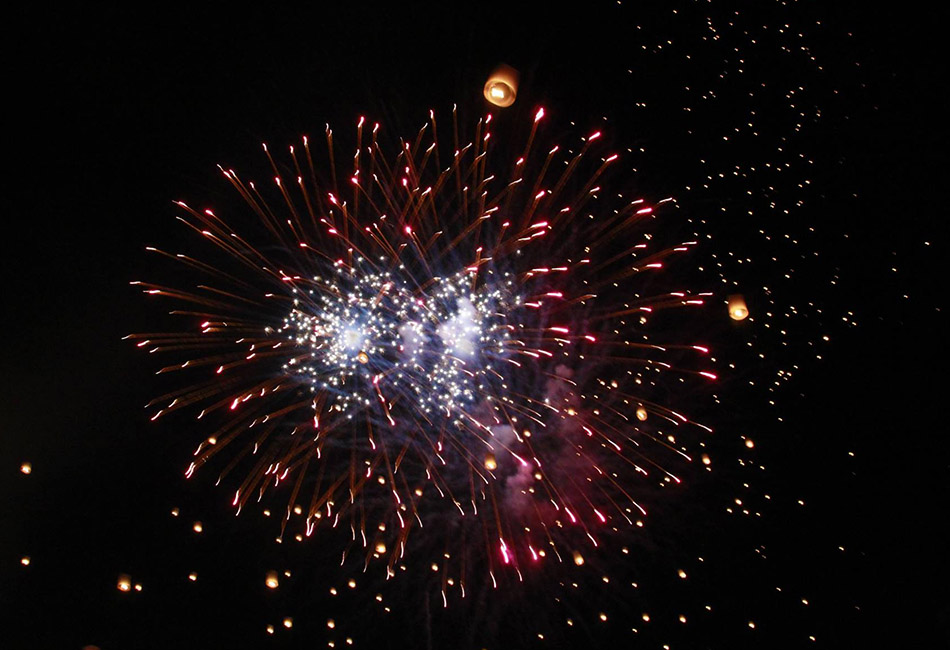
502, 86
737, 307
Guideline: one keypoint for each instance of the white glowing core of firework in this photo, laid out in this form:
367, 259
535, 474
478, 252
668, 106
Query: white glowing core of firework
353, 338
372, 338
461, 332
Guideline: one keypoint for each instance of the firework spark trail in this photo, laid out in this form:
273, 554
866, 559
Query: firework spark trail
417, 340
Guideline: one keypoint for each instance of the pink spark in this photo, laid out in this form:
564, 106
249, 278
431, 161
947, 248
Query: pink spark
504, 551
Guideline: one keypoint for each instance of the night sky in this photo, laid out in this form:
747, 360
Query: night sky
805, 140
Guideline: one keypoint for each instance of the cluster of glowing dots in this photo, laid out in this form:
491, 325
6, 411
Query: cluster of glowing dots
347, 321
368, 330
125, 584
196, 527
287, 623
471, 331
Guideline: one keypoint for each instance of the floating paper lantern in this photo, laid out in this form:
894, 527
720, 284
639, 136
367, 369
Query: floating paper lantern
737, 307
502, 86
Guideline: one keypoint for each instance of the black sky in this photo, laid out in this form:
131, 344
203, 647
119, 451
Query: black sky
117, 111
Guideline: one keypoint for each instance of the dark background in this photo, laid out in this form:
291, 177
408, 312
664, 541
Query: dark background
113, 112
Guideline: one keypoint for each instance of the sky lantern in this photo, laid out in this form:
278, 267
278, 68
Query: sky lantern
272, 581
502, 86
124, 583
641, 414
737, 307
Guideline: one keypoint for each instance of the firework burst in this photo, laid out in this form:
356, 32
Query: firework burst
450, 339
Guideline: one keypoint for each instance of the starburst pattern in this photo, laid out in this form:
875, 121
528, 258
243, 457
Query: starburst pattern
462, 340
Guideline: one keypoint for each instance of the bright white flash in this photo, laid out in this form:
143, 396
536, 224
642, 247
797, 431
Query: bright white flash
461, 332
353, 338
373, 338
